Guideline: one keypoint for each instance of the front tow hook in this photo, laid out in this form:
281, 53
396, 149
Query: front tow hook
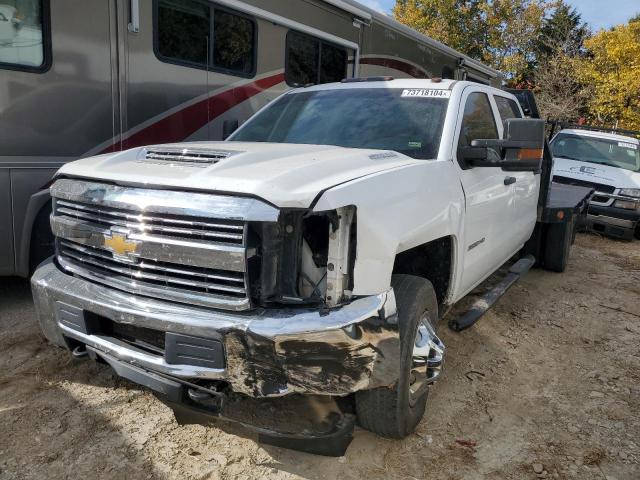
80, 352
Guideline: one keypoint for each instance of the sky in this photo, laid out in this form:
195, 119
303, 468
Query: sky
592, 11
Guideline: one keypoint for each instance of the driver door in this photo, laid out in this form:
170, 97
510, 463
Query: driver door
488, 239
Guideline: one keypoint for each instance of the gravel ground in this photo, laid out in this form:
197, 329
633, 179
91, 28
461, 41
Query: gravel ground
545, 386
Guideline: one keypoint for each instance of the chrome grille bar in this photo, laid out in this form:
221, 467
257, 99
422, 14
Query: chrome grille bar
162, 226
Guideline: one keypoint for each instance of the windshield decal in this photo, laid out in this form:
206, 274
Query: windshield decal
632, 146
426, 93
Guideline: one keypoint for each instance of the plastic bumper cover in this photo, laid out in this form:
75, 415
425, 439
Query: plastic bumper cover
265, 352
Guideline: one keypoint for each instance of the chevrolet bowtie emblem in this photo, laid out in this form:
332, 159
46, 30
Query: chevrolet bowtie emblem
119, 244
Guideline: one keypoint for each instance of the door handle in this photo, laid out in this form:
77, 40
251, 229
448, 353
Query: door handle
510, 180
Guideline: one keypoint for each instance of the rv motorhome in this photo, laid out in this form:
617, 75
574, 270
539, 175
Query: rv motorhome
84, 78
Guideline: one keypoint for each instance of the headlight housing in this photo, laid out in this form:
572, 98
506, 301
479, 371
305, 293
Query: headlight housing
305, 258
627, 205
630, 192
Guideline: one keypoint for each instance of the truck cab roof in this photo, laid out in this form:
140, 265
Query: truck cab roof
409, 83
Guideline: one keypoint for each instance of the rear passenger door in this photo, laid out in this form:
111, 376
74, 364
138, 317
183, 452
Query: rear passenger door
488, 239
525, 184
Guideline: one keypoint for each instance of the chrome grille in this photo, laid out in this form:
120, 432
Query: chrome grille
165, 274
220, 231
175, 246
189, 156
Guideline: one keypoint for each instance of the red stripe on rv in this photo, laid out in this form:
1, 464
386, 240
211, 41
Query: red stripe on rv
179, 125
396, 64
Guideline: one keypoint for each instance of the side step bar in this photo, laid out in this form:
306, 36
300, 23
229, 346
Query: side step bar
484, 303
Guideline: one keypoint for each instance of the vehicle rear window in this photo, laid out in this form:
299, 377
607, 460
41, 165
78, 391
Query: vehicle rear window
313, 61
374, 118
23, 36
186, 35
508, 108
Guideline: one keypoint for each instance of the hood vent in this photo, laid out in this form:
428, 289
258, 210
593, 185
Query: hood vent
193, 157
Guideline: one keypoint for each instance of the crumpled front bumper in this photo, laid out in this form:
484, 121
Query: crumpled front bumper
264, 353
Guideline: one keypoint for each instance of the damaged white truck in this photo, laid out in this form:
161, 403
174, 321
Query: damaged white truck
305, 262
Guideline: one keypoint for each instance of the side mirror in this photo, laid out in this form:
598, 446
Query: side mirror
228, 127
521, 150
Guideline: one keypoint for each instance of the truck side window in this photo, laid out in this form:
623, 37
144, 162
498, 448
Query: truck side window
183, 35
478, 121
24, 40
507, 108
312, 61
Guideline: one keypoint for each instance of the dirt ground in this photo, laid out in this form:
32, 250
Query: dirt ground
549, 382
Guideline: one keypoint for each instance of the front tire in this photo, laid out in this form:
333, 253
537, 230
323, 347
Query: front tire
395, 411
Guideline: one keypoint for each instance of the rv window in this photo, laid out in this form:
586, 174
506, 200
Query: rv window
233, 42
302, 59
508, 108
312, 61
183, 31
184, 36
23, 37
333, 64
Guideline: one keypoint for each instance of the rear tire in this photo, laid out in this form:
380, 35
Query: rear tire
637, 232
394, 412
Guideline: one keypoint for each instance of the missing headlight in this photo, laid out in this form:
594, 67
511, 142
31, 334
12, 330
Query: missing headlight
305, 258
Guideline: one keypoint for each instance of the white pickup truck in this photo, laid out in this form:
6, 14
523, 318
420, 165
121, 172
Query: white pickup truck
310, 256
609, 163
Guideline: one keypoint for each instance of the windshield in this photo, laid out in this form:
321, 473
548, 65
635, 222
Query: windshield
376, 118
603, 151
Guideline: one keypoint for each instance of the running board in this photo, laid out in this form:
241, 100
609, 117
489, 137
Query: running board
484, 303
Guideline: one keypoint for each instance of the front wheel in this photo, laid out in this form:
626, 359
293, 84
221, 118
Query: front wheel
395, 411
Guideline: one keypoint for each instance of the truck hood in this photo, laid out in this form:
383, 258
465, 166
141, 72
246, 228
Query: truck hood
285, 175
595, 173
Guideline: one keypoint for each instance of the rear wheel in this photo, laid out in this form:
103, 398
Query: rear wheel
396, 411
637, 233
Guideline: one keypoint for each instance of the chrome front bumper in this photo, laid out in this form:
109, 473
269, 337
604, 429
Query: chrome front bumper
266, 352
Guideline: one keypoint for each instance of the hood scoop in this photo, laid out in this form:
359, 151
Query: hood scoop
191, 157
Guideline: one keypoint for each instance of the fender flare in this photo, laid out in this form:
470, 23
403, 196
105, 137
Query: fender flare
23, 252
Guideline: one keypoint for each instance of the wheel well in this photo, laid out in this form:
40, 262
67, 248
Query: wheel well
41, 242
432, 261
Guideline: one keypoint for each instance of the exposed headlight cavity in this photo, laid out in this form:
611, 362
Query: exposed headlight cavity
306, 258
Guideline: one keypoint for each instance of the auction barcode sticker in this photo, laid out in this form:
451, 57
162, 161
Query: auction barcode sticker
632, 146
426, 92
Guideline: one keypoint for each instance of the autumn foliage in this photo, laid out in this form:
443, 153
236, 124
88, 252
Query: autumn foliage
543, 45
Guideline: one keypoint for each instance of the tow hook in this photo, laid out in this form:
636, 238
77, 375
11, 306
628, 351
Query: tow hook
211, 400
80, 352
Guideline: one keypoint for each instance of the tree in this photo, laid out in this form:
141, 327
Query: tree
559, 94
501, 33
613, 69
460, 24
564, 31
